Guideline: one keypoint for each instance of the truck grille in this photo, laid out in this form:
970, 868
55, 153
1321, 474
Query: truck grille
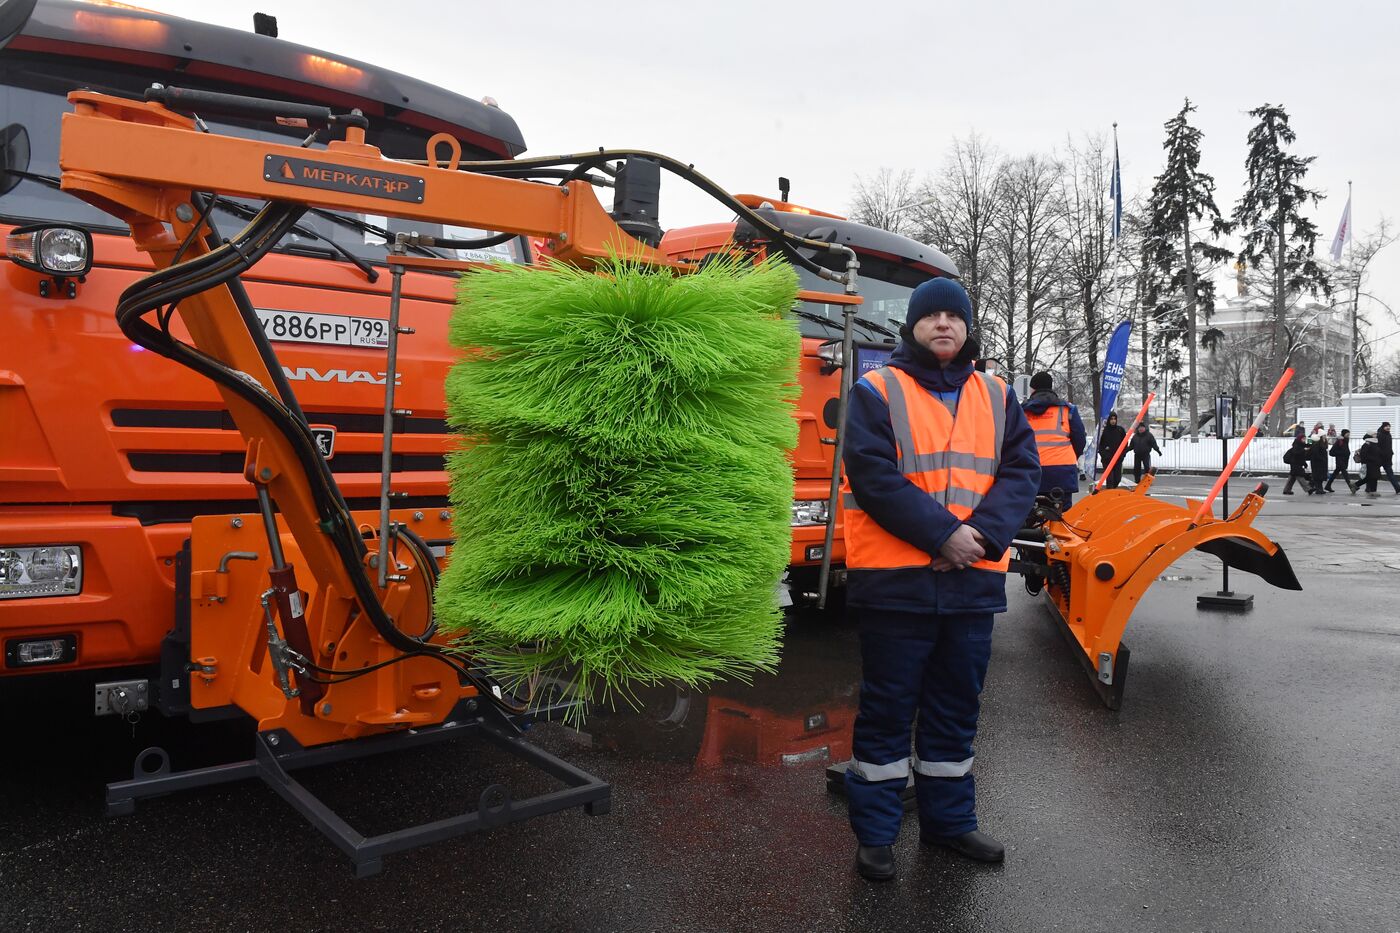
427, 432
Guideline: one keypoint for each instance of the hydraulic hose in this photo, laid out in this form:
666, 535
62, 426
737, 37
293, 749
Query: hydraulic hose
789, 243
216, 267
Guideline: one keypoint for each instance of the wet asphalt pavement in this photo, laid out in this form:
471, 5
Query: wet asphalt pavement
1251, 781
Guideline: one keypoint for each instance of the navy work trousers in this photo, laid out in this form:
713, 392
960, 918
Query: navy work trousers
931, 666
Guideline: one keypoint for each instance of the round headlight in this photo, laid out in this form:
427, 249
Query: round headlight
63, 250
11, 567
49, 563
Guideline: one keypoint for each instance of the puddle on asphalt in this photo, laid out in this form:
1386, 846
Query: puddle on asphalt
800, 717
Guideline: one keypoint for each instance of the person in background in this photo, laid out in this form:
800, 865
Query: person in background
1109, 439
1366, 456
1059, 439
1317, 459
1332, 431
1297, 460
1385, 455
1341, 455
1142, 445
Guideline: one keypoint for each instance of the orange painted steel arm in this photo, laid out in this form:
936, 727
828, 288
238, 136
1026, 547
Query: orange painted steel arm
109, 143
1123, 445
1248, 436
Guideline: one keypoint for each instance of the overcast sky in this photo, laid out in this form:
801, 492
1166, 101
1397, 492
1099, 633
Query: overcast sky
821, 91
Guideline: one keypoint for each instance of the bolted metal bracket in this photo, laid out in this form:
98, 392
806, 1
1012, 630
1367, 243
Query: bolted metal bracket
121, 697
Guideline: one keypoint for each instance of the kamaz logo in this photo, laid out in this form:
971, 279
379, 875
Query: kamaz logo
312, 374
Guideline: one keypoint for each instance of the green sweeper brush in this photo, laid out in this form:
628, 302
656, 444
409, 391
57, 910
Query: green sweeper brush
623, 495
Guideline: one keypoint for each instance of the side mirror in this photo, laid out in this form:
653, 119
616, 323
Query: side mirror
14, 156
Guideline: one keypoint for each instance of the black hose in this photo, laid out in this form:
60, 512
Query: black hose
208, 271
790, 244
482, 243
215, 268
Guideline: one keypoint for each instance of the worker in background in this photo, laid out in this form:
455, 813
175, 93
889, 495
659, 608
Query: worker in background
1059, 438
940, 471
1385, 455
1109, 439
1143, 443
1341, 455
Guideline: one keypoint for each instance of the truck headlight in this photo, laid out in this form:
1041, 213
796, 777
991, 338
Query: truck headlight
809, 512
830, 351
56, 250
46, 570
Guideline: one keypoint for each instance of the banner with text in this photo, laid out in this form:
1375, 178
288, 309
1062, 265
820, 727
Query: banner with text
1114, 362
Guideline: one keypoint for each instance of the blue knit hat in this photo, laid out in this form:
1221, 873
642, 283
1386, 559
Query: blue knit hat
939, 294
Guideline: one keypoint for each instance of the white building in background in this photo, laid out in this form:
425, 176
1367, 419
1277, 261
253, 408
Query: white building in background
1321, 331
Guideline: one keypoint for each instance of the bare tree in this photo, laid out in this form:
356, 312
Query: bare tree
877, 201
1089, 256
1029, 231
959, 210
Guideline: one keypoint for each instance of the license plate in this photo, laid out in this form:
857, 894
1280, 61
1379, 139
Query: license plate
337, 330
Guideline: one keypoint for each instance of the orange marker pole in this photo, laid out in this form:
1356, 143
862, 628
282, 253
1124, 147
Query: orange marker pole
1123, 444
1244, 442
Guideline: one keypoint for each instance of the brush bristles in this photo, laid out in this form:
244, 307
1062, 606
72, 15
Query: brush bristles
623, 498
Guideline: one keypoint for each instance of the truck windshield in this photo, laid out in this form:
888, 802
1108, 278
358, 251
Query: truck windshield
884, 289
34, 96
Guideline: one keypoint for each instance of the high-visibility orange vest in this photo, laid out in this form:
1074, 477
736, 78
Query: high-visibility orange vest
1052, 438
952, 455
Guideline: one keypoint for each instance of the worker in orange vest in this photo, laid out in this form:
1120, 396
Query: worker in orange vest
940, 472
1059, 438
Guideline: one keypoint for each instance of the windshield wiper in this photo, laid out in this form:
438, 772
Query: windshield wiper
818, 319
364, 226
871, 325
247, 213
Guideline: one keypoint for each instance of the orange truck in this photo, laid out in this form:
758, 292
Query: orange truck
891, 266
108, 452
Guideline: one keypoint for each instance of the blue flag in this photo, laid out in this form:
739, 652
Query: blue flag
1114, 361
1115, 191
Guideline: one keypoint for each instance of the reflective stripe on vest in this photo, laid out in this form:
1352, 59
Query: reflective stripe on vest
951, 455
1052, 436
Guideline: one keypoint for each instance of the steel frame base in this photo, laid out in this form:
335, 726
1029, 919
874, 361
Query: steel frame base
277, 754
1222, 599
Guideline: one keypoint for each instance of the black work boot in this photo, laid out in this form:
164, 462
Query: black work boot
975, 845
875, 863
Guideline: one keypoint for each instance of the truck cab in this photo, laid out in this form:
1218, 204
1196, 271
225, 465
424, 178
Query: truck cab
891, 267
107, 452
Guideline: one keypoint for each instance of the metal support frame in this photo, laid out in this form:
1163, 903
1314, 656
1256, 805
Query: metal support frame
277, 754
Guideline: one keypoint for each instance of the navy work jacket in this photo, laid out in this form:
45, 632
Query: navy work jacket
907, 512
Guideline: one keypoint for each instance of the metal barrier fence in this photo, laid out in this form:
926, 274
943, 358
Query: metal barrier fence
1264, 456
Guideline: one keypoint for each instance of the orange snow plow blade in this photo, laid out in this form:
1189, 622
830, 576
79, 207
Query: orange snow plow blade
1101, 556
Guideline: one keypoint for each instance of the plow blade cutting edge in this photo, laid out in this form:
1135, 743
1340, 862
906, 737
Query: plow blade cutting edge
1104, 552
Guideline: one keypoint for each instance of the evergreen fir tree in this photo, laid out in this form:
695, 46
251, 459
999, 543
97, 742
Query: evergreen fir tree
1183, 196
1270, 216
